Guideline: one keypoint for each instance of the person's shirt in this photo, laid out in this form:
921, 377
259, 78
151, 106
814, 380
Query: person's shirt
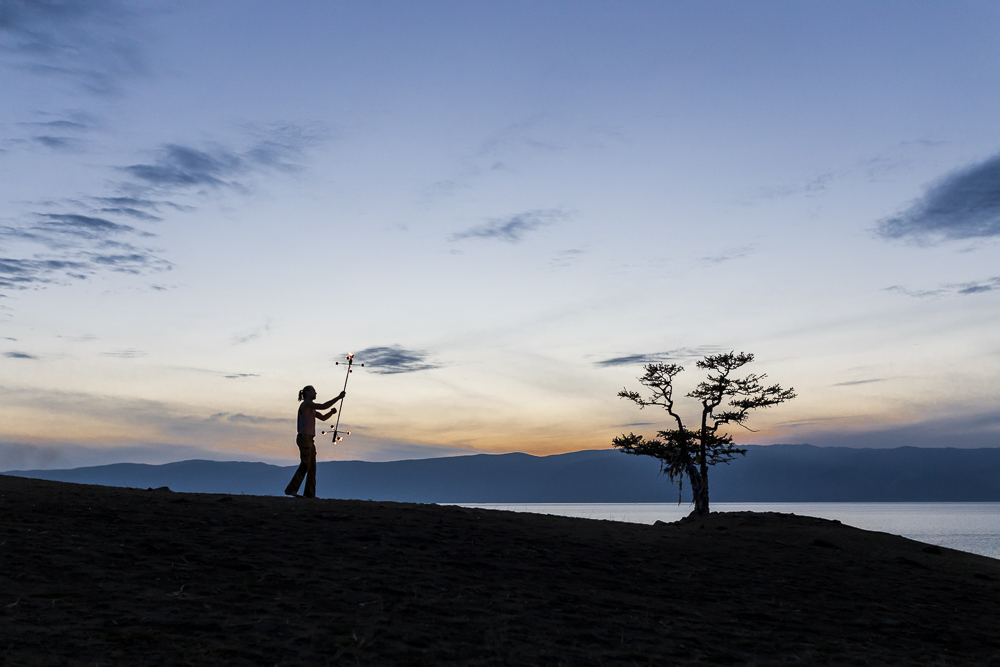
307, 418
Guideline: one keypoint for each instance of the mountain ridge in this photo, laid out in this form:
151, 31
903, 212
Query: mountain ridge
769, 473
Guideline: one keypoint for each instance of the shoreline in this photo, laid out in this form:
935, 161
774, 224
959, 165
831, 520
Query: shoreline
973, 527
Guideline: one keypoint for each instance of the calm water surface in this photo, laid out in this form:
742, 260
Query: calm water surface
973, 527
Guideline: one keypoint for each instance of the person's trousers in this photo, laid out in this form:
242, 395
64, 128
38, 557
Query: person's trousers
307, 468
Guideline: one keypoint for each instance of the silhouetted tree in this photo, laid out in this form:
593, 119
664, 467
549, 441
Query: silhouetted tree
684, 451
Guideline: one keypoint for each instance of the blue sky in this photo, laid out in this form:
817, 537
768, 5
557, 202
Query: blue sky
505, 207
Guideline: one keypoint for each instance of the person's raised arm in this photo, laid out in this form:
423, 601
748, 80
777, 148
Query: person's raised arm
333, 400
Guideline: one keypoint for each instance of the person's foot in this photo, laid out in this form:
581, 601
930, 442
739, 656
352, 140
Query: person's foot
292, 494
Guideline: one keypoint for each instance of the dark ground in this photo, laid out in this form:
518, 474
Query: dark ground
95, 575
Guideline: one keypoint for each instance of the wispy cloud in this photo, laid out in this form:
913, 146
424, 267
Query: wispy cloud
857, 382
680, 354
132, 213
135, 263
183, 168
62, 125
728, 254
19, 355
963, 289
529, 134
979, 286
61, 135
56, 225
240, 418
19, 274
963, 205
394, 359
632, 359
566, 258
511, 229
240, 376
445, 188
136, 203
57, 143
507, 149
62, 454
87, 236
975, 429
917, 294
812, 187
172, 422
125, 354
83, 245
91, 42
252, 334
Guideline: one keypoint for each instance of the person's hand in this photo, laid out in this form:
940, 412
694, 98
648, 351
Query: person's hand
342, 394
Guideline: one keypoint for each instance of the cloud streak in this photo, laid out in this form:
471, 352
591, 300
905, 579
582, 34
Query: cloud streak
512, 228
729, 254
56, 225
87, 237
253, 334
132, 213
566, 258
857, 382
240, 418
394, 359
171, 421
84, 245
182, 166
57, 143
90, 42
680, 354
124, 354
978, 429
19, 355
813, 187
18, 274
963, 205
177, 168
949, 289
58, 125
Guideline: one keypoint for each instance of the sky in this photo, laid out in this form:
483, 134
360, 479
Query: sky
504, 209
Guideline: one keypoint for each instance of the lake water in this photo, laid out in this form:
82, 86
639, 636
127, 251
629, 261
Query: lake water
972, 527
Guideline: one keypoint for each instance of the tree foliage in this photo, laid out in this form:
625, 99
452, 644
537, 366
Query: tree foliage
725, 400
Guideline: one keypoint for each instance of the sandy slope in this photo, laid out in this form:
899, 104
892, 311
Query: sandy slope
94, 575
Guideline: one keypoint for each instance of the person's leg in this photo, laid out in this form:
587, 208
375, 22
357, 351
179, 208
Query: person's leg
305, 444
310, 490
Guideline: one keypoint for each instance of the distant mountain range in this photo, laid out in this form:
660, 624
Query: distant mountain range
775, 473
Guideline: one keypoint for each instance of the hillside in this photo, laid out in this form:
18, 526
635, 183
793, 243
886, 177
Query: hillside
97, 575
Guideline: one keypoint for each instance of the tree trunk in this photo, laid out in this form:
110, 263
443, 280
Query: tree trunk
704, 493
701, 504
699, 491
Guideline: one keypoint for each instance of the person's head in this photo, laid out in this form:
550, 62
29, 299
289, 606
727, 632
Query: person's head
307, 393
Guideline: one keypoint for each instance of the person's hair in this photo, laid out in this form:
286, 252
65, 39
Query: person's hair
302, 392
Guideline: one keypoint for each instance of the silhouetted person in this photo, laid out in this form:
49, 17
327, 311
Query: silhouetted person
308, 414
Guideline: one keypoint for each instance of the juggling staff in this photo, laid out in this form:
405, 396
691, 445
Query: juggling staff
336, 428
